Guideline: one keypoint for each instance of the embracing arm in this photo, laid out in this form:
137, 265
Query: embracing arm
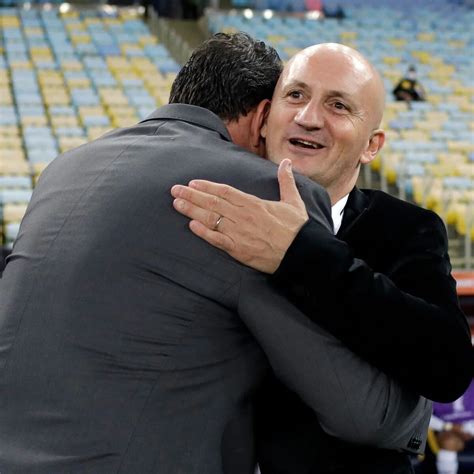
396, 320
353, 400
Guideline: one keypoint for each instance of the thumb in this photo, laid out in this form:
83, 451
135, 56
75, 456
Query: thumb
288, 191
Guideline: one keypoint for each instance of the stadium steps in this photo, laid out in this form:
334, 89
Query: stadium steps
180, 37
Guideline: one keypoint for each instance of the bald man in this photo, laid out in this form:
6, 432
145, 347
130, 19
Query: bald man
382, 285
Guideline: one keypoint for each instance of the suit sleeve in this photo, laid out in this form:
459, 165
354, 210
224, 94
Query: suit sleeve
353, 400
398, 320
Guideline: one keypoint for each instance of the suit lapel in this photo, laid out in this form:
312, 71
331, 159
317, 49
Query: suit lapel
356, 206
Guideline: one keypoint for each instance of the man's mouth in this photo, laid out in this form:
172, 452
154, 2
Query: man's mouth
305, 144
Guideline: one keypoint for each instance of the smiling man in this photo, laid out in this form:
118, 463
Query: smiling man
327, 123
382, 285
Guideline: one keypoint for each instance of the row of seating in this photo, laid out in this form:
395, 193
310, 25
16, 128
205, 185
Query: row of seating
67, 76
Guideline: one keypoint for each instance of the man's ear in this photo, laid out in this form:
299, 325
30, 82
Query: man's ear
375, 144
259, 122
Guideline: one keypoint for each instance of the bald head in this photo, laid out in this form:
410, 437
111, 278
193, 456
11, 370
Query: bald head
325, 116
344, 60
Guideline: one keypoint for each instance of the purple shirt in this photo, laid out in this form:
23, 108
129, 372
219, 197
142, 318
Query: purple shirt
459, 411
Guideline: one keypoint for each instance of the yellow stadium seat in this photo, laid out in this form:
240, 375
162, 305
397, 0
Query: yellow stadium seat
79, 82
465, 169
96, 132
467, 107
291, 50
14, 167
84, 110
70, 14
388, 166
13, 212
12, 154
426, 37
435, 98
464, 90
80, 39
40, 50
120, 111
423, 56
391, 60
10, 130
10, 22
68, 143
441, 170
451, 158
36, 121
61, 121
145, 40
72, 65
397, 106
10, 141
399, 43
230, 30
461, 146
464, 219
20, 64
5, 96
459, 44
4, 77
436, 115
112, 21
37, 169
414, 135
124, 121
429, 125
348, 35
92, 21
275, 39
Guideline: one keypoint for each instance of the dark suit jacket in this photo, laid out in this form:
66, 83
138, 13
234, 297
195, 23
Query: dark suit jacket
123, 347
384, 288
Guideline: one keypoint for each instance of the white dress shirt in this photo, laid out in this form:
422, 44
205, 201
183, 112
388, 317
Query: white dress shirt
337, 211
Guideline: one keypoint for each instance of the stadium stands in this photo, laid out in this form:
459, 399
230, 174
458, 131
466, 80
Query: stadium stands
68, 76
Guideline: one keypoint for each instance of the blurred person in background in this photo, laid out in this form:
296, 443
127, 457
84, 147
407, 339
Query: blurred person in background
409, 88
453, 425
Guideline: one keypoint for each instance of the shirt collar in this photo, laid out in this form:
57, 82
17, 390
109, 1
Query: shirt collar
337, 211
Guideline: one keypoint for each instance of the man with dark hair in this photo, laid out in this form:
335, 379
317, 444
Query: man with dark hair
122, 342
215, 70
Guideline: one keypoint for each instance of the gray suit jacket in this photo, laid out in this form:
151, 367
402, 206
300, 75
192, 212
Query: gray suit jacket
123, 347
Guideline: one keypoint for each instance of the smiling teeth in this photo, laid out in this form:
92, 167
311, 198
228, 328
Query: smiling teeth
306, 144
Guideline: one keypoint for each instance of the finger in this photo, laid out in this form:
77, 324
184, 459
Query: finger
188, 209
205, 201
217, 239
288, 191
223, 191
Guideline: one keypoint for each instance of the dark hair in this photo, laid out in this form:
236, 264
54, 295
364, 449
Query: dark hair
228, 75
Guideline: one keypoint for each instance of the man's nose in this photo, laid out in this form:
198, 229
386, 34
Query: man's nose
310, 116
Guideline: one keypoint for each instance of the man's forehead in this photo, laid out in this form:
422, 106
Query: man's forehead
321, 60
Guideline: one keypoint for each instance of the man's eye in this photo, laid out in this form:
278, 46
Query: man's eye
340, 106
295, 94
